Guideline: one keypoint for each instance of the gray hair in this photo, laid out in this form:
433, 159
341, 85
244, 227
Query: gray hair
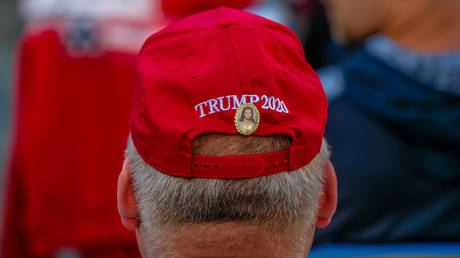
280, 200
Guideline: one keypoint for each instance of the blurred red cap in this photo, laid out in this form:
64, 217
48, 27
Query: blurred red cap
176, 9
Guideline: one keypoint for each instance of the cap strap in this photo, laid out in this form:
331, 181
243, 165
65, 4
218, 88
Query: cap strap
240, 166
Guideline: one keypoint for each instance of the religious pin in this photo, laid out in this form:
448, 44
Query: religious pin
247, 119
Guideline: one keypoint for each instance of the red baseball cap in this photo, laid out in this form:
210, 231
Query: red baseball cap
225, 71
183, 8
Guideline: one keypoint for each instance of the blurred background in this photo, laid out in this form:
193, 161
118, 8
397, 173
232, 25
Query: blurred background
10, 27
390, 69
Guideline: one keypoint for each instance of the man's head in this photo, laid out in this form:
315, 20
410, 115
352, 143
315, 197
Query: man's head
194, 184
352, 20
273, 214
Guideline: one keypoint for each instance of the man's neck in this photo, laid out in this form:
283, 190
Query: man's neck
229, 240
425, 26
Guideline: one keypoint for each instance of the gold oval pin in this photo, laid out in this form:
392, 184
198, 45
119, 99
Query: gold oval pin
247, 119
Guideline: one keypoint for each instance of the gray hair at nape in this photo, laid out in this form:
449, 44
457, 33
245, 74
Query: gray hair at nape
280, 201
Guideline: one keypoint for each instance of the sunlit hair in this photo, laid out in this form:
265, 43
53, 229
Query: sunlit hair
277, 202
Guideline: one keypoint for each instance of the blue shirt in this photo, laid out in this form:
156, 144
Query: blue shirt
394, 128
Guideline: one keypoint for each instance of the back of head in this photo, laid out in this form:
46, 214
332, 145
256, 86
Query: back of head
226, 154
275, 212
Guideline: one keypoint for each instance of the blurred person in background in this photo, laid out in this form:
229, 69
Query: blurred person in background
394, 120
312, 27
306, 18
74, 82
74, 75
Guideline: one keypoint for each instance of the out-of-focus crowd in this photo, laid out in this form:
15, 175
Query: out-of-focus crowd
390, 70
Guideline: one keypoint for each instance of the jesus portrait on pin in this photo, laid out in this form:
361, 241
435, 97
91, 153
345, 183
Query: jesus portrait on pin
247, 119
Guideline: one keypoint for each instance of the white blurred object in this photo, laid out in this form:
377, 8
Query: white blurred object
333, 81
275, 10
91, 28
133, 10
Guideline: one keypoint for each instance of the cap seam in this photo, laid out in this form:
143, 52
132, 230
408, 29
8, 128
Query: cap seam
234, 54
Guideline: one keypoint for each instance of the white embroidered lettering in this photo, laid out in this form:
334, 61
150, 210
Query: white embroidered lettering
218, 105
265, 105
237, 103
253, 99
271, 103
279, 108
201, 108
213, 106
221, 104
285, 110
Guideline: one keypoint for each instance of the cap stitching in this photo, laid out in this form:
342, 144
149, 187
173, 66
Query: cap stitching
236, 60
234, 53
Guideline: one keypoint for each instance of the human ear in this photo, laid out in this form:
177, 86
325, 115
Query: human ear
126, 200
328, 201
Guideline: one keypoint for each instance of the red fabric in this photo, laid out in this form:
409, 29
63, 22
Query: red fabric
181, 8
231, 166
193, 75
72, 124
